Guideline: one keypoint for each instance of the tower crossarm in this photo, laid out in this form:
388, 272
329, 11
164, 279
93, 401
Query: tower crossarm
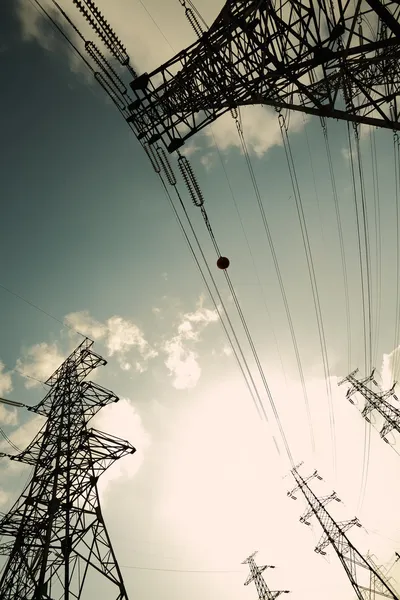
105, 449
324, 501
298, 55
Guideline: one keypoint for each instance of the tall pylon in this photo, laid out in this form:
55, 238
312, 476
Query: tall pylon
375, 401
365, 577
58, 547
300, 55
264, 593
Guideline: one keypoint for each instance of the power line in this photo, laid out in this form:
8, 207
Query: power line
41, 310
341, 241
366, 307
239, 127
176, 570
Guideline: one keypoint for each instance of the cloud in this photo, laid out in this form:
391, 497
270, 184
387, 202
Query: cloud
120, 337
8, 416
83, 322
260, 127
4, 497
5, 381
122, 420
390, 369
181, 358
39, 361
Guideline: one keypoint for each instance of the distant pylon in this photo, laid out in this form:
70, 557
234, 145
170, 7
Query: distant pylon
375, 401
264, 593
55, 537
374, 584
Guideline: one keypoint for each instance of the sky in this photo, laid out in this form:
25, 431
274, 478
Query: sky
89, 239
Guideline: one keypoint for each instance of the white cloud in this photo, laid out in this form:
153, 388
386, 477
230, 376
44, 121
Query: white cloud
182, 364
39, 361
123, 421
8, 416
181, 358
83, 322
260, 128
120, 336
5, 381
4, 497
227, 350
123, 335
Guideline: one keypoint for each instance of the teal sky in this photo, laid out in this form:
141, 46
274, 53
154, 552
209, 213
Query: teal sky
88, 236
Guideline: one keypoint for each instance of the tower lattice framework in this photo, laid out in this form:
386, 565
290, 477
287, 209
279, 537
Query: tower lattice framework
330, 59
256, 575
56, 541
365, 577
375, 401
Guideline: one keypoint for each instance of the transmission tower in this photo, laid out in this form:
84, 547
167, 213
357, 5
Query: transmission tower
375, 401
264, 593
367, 581
336, 60
57, 539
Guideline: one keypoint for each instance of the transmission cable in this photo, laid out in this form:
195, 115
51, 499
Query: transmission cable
7, 439
247, 332
378, 239
239, 127
397, 305
199, 202
313, 280
41, 310
341, 241
367, 428
179, 220
250, 252
176, 570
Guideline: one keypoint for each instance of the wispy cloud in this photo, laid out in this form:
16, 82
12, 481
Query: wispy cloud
260, 126
182, 360
8, 416
120, 337
5, 380
39, 361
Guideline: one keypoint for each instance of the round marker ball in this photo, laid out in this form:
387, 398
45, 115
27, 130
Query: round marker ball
223, 262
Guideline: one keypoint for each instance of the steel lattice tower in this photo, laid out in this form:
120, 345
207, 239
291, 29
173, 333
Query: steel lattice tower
60, 540
358, 568
263, 591
375, 401
331, 59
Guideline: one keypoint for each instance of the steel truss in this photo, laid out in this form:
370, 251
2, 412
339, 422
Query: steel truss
57, 538
334, 59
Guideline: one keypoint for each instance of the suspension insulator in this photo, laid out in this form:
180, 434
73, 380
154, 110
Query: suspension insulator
191, 17
110, 90
105, 66
152, 158
166, 166
99, 24
223, 263
190, 181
